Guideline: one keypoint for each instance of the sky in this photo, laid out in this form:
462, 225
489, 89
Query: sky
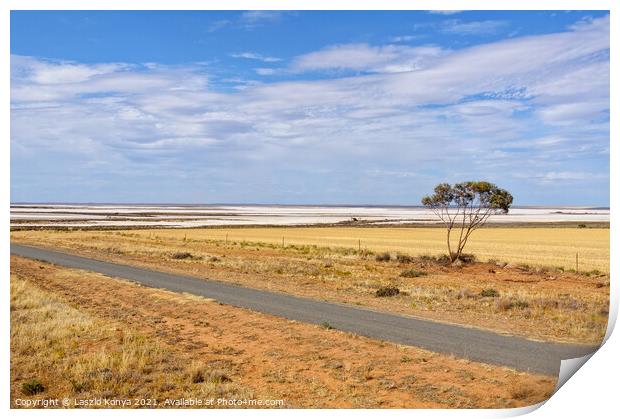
308, 107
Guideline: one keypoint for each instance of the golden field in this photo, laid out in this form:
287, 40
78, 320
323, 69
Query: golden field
540, 246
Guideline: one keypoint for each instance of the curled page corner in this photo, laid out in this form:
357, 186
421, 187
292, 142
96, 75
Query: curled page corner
569, 367
519, 411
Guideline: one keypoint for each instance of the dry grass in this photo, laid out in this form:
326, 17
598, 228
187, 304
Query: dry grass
58, 351
531, 301
305, 365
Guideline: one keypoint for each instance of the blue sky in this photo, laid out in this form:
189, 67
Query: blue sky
308, 107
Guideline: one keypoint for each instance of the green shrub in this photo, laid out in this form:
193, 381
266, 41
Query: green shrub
595, 272
326, 325
387, 292
467, 258
427, 259
489, 292
32, 387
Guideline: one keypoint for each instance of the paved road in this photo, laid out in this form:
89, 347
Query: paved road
474, 344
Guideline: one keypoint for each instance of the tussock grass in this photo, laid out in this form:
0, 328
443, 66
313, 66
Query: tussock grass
58, 351
412, 273
562, 314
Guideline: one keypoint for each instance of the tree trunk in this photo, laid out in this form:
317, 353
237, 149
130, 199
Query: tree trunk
449, 246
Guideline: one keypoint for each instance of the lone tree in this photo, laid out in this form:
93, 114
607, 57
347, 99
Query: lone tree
466, 206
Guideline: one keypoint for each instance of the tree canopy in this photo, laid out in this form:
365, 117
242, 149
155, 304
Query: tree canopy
466, 206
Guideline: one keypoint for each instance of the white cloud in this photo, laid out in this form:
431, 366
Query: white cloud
263, 71
43, 72
551, 176
42, 80
254, 18
364, 57
562, 176
484, 27
444, 12
248, 20
404, 38
566, 113
218, 24
254, 56
536, 104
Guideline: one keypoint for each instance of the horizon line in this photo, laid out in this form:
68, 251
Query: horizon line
591, 206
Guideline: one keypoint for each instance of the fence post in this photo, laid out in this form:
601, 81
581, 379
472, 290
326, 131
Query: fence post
577, 262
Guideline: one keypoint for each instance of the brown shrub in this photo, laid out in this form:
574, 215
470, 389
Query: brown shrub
467, 258
401, 258
387, 292
412, 273
504, 304
181, 255
521, 392
465, 293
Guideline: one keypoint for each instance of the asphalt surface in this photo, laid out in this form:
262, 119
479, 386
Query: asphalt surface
464, 342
